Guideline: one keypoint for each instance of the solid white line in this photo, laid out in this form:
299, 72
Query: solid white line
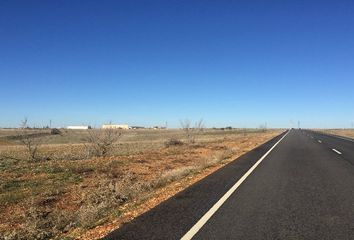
223, 199
335, 150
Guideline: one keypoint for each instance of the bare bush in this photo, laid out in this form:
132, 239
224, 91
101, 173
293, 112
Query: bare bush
89, 214
41, 222
55, 131
29, 141
107, 195
263, 127
101, 142
191, 131
173, 142
37, 223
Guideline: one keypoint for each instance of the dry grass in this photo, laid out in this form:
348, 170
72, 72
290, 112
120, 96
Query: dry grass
72, 192
341, 132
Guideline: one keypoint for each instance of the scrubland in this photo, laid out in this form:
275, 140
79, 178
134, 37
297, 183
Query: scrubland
69, 191
340, 132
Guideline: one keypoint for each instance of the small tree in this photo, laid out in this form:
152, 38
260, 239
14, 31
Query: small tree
29, 141
263, 127
191, 132
101, 142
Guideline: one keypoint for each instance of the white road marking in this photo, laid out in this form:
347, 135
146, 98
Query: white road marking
319, 141
335, 150
189, 235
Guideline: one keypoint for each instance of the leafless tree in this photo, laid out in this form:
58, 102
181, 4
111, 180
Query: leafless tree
263, 127
30, 142
191, 131
101, 142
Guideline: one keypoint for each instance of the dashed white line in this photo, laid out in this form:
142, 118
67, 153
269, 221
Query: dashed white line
335, 150
189, 235
319, 141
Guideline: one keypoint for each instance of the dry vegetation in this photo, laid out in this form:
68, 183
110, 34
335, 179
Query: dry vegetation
341, 132
85, 183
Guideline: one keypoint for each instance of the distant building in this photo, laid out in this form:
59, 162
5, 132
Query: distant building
158, 127
136, 127
79, 127
115, 126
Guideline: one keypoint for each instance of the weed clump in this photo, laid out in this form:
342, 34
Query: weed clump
42, 223
173, 142
109, 194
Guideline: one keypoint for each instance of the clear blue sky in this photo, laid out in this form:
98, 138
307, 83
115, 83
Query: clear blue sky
238, 63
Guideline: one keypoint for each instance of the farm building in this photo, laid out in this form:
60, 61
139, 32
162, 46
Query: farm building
115, 126
79, 127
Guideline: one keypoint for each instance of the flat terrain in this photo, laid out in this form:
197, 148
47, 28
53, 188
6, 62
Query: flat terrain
303, 189
69, 193
340, 132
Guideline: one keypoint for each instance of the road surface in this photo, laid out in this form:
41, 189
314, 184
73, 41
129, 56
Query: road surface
299, 185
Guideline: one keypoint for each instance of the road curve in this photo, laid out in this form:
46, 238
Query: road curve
304, 189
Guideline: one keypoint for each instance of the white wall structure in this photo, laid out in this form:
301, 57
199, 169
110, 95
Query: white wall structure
79, 127
115, 126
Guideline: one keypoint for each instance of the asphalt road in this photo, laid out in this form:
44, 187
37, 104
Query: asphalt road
303, 189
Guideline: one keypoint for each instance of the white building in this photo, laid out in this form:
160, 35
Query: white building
79, 127
115, 126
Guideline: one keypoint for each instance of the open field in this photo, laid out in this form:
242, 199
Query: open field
70, 193
341, 132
